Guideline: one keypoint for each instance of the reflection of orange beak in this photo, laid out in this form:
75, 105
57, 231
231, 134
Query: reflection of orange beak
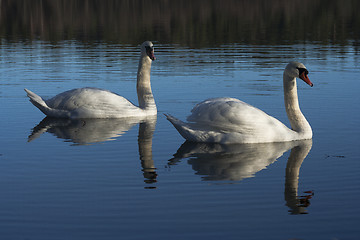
305, 78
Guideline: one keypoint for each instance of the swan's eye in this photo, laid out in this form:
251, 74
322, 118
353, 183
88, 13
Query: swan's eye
150, 52
148, 48
302, 70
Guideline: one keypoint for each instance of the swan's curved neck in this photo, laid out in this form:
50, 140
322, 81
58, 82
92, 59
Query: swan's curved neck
298, 122
143, 86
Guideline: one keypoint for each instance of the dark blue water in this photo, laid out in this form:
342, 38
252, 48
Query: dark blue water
120, 179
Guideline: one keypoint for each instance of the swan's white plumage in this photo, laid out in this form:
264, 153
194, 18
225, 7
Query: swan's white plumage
229, 120
99, 103
87, 103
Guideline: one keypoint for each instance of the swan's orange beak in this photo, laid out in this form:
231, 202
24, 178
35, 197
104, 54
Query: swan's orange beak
303, 76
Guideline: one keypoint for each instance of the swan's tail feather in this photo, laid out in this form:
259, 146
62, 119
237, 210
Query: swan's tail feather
174, 121
184, 129
38, 102
35, 99
179, 125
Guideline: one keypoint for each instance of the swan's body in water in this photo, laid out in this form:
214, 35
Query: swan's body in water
99, 103
229, 120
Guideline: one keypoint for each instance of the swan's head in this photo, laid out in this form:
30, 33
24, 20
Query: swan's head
148, 48
298, 70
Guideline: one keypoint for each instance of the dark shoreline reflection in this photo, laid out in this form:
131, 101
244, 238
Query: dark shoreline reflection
216, 162
92, 131
199, 23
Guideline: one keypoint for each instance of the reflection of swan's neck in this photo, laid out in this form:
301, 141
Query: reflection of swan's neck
298, 122
143, 86
297, 156
146, 130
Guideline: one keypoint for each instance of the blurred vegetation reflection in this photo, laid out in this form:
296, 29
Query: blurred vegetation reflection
193, 23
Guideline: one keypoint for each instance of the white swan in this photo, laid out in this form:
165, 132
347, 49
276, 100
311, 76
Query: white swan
229, 120
99, 103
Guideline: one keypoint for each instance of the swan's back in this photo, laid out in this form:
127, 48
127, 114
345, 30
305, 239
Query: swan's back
228, 113
92, 103
81, 97
234, 115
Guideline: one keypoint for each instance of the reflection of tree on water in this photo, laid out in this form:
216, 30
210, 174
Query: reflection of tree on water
216, 162
90, 131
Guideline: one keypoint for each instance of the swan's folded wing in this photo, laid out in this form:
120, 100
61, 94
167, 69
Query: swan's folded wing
92, 102
230, 114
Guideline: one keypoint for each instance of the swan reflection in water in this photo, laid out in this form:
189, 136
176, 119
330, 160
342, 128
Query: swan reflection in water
90, 131
235, 162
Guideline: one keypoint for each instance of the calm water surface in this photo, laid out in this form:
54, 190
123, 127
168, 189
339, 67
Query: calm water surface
121, 179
